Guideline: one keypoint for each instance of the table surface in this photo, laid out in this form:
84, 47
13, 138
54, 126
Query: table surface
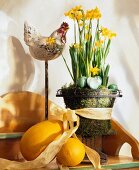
119, 162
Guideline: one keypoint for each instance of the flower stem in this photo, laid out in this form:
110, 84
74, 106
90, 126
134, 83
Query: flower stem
68, 67
75, 31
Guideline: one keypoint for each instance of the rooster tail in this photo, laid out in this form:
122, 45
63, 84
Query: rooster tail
27, 33
30, 34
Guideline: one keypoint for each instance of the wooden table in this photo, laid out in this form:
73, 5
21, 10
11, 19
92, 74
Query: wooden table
119, 162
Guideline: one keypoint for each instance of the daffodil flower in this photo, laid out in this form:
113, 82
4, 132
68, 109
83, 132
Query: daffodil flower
99, 43
77, 8
97, 13
107, 33
87, 36
93, 14
76, 46
112, 34
81, 24
87, 27
75, 13
95, 70
78, 15
70, 14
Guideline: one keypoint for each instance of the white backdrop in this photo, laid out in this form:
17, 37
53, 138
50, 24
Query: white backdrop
19, 71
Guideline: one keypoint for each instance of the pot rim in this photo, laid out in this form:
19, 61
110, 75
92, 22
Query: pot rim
114, 94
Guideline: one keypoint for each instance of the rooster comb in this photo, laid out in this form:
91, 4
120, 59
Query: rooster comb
65, 25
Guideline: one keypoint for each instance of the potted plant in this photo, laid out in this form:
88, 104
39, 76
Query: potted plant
90, 72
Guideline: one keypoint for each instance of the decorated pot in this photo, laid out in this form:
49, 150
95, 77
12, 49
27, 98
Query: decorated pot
77, 98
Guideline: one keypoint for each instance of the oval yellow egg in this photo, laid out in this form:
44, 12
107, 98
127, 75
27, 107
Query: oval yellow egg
72, 152
38, 137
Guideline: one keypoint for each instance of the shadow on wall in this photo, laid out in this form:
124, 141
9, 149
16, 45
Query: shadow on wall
10, 4
131, 79
130, 10
126, 7
22, 67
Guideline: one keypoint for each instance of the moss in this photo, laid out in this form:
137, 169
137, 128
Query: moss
76, 98
88, 102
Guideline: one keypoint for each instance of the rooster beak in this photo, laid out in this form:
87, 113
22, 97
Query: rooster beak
67, 28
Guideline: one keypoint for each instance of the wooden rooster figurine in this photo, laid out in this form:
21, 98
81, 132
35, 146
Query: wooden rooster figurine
45, 48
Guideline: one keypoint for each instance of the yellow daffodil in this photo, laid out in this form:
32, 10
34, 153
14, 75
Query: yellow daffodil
50, 40
88, 15
87, 27
87, 36
93, 49
99, 43
93, 14
112, 34
97, 13
81, 24
76, 46
77, 8
107, 33
70, 14
78, 15
75, 13
95, 70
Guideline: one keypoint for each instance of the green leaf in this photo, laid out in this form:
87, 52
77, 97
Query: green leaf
105, 76
98, 61
107, 70
107, 49
73, 55
68, 67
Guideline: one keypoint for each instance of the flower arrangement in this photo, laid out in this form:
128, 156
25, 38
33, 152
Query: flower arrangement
90, 49
90, 72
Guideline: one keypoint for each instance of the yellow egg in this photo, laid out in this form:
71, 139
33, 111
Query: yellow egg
72, 153
38, 137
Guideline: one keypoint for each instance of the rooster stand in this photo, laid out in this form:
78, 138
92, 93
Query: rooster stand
45, 48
